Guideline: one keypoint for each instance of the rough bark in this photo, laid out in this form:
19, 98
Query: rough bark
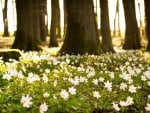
147, 18
43, 26
20, 38
105, 27
54, 22
82, 33
132, 36
5, 20
24, 38
36, 22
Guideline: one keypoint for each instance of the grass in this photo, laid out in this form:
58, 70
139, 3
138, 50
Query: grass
41, 82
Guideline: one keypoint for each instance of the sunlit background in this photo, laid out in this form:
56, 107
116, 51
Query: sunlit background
112, 11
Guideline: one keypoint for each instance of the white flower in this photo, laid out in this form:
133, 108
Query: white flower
46, 94
143, 78
126, 76
130, 100
7, 76
54, 97
72, 90
55, 62
132, 89
45, 78
108, 85
123, 86
147, 73
90, 74
148, 96
95, 81
138, 71
123, 103
127, 63
64, 94
20, 75
55, 83
12, 73
47, 71
82, 79
96, 94
32, 77
76, 80
147, 108
101, 79
67, 61
116, 107
26, 101
43, 108
130, 70
112, 75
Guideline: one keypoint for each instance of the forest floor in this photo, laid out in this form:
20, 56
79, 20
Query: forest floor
6, 43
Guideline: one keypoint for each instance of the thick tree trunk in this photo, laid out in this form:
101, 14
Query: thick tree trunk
54, 22
105, 27
43, 26
132, 36
20, 36
147, 15
82, 33
36, 21
5, 20
25, 39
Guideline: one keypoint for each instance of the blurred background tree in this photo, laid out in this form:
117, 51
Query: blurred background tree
36, 21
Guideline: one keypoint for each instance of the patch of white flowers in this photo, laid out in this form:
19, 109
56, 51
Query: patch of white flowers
62, 78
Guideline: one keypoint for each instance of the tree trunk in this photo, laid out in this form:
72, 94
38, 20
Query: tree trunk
117, 13
20, 36
43, 26
147, 15
54, 21
65, 18
5, 20
82, 33
132, 36
36, 21
105, 27
25, 39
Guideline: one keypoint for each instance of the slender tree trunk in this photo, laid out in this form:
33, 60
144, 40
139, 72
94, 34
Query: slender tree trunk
82, 33
105, 27
5, 20
54, 22
65, 18
132, 36
142, 32
119, 32
147, 17
58, 32
43, 26
117, 13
